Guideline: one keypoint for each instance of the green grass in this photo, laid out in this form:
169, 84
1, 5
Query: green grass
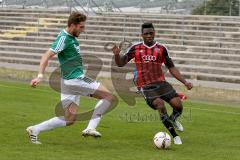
212, 131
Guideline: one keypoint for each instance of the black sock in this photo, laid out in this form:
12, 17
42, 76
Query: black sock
175, 114
168, 124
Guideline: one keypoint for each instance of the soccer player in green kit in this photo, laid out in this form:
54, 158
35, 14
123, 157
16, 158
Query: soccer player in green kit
73, 81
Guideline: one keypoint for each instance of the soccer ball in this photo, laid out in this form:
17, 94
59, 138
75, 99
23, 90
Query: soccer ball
162, 140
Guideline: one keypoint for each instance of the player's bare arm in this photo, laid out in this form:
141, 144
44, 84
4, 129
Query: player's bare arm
120, 60
175, 73
43, 64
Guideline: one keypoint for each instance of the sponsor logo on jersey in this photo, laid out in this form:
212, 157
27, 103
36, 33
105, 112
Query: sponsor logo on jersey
77, 47
148, 58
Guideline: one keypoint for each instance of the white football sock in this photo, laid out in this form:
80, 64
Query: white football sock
100, 108
50, 124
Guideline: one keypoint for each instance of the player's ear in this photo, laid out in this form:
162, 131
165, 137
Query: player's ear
72, 25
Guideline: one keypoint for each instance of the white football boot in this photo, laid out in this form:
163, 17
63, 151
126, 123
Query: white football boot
178, 125
177, 140
91, 132
33, 135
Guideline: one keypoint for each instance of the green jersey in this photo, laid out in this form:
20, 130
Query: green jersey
67, 48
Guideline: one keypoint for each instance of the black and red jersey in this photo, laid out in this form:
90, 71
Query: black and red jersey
149, 62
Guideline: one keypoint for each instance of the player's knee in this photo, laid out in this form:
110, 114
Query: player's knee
178, 108
69, 123
176, 103
158, 103
110, 97
71, 120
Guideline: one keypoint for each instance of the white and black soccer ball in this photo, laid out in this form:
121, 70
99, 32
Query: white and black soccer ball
162, 140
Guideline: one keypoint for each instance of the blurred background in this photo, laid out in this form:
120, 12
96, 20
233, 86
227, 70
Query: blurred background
202, 37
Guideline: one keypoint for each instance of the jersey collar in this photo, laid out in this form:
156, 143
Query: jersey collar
67, 33
150, 46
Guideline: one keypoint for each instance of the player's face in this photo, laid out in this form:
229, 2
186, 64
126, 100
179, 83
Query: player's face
78, 28
148, 35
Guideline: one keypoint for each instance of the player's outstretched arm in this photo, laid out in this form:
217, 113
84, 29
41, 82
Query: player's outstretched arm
175, 73
43, 64
119, 60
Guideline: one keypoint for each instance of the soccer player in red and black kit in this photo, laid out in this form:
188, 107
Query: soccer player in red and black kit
149, 56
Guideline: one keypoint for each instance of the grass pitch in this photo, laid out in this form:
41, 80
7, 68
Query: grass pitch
212, 131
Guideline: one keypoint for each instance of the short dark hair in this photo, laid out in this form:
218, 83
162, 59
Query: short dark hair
147, 25
75, 18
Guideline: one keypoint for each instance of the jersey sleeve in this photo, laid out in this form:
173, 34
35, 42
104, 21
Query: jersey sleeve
130, 53
59, 44
166, 59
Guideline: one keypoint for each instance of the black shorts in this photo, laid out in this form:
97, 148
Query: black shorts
156, 90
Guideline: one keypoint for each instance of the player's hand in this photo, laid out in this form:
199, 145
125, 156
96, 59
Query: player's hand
35, 81
116, 50
188, 85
